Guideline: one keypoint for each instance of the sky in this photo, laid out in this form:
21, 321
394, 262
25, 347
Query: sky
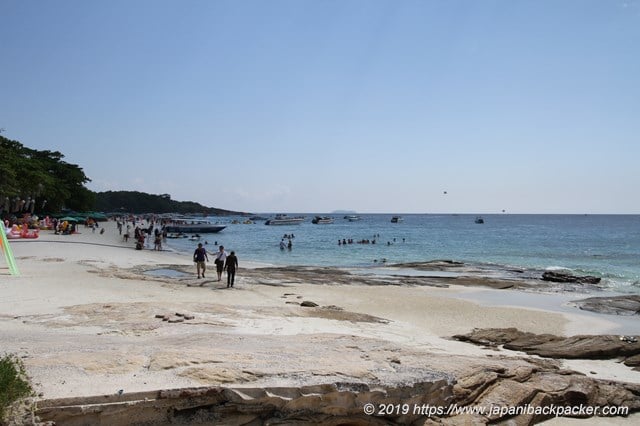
372, 106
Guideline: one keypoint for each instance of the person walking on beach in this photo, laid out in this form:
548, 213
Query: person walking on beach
230, 266
199, 256
221, 257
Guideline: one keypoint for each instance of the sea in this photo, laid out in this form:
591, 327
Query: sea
606, 246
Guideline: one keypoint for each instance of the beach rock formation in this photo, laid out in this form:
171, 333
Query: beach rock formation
330, 404
616, 305
519, 395
561, 277
486, 395
550, 346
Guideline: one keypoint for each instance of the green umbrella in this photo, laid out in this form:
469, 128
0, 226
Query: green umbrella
70, 219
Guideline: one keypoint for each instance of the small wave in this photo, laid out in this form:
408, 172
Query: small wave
557, 268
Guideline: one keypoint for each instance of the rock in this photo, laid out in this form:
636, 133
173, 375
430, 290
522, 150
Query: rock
309, 304
616, 305
550, 346
561, 277
633, 361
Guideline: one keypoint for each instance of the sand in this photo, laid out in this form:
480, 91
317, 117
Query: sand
82, 315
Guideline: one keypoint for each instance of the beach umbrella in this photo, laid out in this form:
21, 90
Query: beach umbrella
69, 219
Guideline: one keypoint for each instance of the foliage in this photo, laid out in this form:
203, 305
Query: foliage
13, 383
48, 184
140, 202
29, 174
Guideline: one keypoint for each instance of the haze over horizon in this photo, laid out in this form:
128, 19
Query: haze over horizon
304, 106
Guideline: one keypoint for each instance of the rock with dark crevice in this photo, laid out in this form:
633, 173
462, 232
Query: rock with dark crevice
562, 277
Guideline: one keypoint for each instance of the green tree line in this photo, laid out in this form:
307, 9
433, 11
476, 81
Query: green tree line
41, 182
140, 202
32, 180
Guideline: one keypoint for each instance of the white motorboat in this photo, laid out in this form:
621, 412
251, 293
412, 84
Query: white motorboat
283, 219
321, 220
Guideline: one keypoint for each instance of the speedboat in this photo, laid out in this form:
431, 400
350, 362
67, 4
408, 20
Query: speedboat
283, 219
479, 219
352, 217
396, 219
321, 220
193, 226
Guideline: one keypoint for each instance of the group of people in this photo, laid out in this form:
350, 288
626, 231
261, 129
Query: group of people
223, 260
346, 241
286, 245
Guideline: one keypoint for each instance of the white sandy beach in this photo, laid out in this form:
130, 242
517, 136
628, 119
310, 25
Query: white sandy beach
82, 315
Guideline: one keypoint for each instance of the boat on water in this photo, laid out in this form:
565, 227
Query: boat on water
479, 219
321, 220
283, 219
193, 226
352, 217
396, 219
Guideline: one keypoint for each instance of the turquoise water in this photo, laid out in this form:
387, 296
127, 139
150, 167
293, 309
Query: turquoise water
607, 246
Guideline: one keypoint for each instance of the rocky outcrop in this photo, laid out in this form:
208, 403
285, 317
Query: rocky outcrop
331, 404
561, 277
616, 305
551, 346
525, 396
520, 395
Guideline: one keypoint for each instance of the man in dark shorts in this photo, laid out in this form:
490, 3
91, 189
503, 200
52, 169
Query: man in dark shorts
230, 266
199, 256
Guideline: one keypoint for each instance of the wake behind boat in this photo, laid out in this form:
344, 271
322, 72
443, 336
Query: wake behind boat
283, 219
193, 226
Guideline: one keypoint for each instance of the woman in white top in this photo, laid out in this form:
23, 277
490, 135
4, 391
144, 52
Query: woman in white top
221, 257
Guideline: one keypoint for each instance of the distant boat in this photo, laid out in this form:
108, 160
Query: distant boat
283, 219
322, 220
193, 226
479, 219
352, 217
255, 218
396, 219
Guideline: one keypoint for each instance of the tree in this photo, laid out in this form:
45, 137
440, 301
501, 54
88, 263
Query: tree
35, 176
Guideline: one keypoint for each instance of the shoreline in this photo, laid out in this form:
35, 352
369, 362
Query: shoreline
82, 315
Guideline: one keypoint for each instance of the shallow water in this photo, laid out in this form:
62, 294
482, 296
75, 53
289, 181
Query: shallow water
607, 246
166, 273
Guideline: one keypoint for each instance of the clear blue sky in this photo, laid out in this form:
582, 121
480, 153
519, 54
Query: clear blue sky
314, 106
